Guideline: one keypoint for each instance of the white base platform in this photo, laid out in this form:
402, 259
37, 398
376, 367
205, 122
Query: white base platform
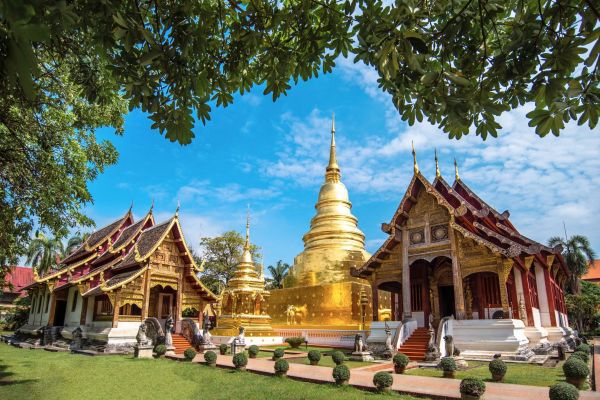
489, 335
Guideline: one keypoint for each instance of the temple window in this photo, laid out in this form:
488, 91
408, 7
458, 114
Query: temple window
103, 309
40, 301
533, 293
74, 303
416, 297
130, 309
47, 303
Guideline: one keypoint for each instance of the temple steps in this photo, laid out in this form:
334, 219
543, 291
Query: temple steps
415, 346
180, 343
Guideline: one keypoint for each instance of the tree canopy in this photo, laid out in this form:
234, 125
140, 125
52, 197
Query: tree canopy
220, 255
578, 254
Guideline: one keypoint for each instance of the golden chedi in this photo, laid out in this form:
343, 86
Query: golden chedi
319, 290
244, 300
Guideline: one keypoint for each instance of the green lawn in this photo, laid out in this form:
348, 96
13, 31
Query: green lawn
522, 374
39, 374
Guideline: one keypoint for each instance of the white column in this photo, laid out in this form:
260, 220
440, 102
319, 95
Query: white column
542, 295
406, 306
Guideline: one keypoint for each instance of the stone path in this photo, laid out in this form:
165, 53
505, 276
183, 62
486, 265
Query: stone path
435, 388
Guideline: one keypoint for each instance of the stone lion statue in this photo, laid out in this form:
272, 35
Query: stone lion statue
141, 337
359, 344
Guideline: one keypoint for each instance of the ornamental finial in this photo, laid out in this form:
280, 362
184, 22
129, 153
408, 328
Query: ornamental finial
332, 173
414, 154
177, 210
456, 176
438, 174
247, 244
102, 281
152, 205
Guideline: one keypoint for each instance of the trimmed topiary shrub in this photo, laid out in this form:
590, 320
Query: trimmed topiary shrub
294, 342
472, 388
314, 356
583, 347
341, 374
400, 362
448, 365
383, 381
253, 351
338, 357
278, 353
576, 371
583, 356
160, 350
281, 367
240, 360
563, 391
223, 349
498, 369
189, 354
211, 358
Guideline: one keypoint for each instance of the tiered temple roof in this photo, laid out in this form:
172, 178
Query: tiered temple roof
469, 215
117, 253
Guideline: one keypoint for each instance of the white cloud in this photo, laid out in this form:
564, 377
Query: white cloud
543, 181
201, 191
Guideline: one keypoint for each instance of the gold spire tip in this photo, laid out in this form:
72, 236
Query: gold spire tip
332, 122
414, 154
333, 170
456, 170
438, 174
247, 243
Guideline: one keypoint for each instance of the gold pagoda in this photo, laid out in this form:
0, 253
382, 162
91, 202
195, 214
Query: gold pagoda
319, 290
244, 300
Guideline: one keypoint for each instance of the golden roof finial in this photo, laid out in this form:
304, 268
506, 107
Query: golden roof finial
438, 174
456, 170
332, 173
177, 210
414, 154
152, 206
246, 255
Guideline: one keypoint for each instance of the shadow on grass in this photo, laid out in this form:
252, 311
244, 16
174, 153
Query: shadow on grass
4, 374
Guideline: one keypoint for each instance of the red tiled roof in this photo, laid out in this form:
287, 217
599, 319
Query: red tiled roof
18, 277
593, 272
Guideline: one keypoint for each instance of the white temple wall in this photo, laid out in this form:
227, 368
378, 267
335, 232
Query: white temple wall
542, 296
89, 315
73, 316
537, 319
420, 317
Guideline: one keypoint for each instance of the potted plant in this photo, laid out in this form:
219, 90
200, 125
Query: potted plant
576, 371
278, 353
160, 350
448, 365
498, 369
338, 357
583, 347
583, 356
253, 351
211, 358
341, 374
472, 388
223, 349
189, 354
383, 381
294, 342
314, 356
400, 362
281, 367
240, 360
563, 391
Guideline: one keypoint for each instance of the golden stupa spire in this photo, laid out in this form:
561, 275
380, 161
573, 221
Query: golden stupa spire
332, 173
438, 174
246, 255
414, 154
456, 176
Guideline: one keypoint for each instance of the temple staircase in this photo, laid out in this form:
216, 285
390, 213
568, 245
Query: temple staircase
180, 342
415, 346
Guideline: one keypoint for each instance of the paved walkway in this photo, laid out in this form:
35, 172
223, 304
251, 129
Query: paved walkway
437, 388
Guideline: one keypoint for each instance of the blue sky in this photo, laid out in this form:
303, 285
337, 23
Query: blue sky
272, 156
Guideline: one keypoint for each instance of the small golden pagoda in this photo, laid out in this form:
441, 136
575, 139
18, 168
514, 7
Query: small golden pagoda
244, 300
319, 289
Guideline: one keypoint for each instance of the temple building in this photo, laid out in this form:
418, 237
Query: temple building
319, 291
123, 274
451, 259
244, 303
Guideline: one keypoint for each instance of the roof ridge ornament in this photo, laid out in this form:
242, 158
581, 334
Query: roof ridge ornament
414, 154
438, 173
177, 209
456, 175
332, 172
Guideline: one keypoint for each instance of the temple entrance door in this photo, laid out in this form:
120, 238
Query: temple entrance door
59, 314
165, 305
446, 301
389, 301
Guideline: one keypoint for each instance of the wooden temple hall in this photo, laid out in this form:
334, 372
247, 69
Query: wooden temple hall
121, 275
450, 254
